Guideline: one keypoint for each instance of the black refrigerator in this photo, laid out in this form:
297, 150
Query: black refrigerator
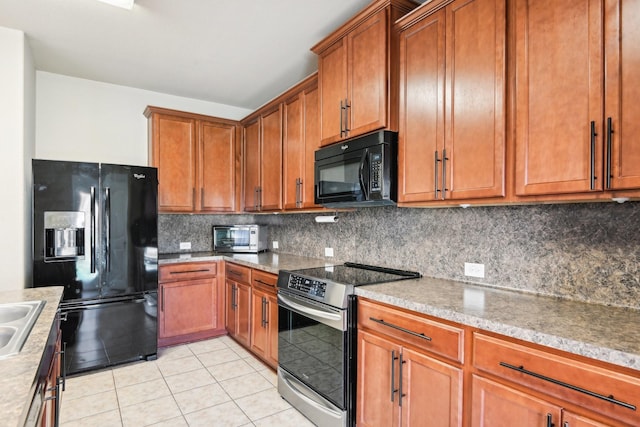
95, 232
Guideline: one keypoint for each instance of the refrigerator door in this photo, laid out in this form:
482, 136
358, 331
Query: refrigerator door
129, 211
107, 332
66, 246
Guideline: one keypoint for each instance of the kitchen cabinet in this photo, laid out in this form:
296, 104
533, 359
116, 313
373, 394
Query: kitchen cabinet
264, 318
518, 383
263, 161
576, 89
301, 140
238, 302
196, 157
54, 382
408, 367
357, 73
190, 302
452, 102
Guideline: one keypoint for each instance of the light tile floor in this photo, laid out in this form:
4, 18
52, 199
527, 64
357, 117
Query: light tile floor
207, 383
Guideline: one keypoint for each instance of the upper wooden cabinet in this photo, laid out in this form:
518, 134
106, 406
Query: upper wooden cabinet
357, 73
196, 159
452, 102
301, 140
577, 87
263, 161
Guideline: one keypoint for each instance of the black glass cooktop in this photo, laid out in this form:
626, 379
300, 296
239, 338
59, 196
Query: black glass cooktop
354, 274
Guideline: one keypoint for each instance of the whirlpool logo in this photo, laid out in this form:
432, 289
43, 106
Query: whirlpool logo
139, 176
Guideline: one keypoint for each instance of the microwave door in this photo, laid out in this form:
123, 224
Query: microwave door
363, 174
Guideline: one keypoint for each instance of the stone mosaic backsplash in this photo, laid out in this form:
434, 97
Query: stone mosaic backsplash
588, 252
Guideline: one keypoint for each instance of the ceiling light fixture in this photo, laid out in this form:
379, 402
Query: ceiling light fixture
125, 4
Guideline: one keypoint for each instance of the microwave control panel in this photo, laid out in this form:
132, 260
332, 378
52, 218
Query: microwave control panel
306, 286
376, 168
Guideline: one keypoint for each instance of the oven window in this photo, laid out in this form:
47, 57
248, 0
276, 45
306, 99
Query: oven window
339, 178
314, 353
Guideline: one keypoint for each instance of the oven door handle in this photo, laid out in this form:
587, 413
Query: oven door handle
336, 320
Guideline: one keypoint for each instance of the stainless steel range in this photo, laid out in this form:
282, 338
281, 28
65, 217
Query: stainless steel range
317, 338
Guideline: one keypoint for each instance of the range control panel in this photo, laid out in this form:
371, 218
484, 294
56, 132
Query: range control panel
306, 286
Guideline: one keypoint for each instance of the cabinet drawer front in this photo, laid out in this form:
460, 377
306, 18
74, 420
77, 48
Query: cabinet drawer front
435, 337
263, 280
238, 273
604, 391
187, 271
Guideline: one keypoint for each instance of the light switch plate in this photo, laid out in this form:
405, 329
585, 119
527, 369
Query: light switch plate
474, 270
185, 245
328, 251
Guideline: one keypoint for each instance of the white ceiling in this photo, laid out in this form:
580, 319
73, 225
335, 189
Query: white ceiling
236, 52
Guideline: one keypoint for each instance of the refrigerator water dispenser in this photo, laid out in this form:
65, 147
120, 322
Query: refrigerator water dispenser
63, 235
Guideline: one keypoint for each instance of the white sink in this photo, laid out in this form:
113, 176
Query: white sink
16, 322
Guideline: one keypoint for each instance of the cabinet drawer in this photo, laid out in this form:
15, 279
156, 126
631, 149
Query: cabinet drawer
187, 271
604, 391
435, 337
263, 280
238, 273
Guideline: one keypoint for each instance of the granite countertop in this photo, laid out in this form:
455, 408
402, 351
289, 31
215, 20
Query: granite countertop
609, 334
18, 373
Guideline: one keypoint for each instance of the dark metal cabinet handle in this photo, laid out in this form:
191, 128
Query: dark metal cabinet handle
566, 424
593, 155
608, 175
265, 310
263, 282
162, 305
400, 328
436, 166
203, 270
64, 366
444, 174
400, 393
393, 374
609, 398
346, 117
550, 420
341, 117
193, 197
202, 198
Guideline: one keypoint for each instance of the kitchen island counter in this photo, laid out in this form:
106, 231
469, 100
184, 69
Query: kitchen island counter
19, 372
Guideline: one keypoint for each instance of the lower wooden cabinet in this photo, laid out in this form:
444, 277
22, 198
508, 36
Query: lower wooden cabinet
264, 339
190, 302
399, 384
53, 386
238, 302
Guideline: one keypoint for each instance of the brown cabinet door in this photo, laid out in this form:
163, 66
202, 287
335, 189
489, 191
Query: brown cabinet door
421, 135
559, 79
473, 163
231, 311
217, 167
377, 373
294, 151
367, 76
272, 326
332, 72
432, 389
188, 307
570, 419
251, 155
243, 301
259, 331
622, 85
271, 162
311, 144
496, 405
174, 154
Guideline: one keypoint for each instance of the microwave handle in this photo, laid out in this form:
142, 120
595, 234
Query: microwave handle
363, 185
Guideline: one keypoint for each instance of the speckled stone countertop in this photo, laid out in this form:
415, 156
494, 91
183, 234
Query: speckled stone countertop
18, 373
266, 261
609, 334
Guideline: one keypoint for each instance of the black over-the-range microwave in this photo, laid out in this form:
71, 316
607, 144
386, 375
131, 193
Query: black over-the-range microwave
358, 172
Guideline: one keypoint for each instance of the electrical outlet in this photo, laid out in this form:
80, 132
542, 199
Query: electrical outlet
274, 244
185, 246
474, 270
328, 251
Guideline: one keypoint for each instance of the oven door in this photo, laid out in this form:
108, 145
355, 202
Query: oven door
313, 357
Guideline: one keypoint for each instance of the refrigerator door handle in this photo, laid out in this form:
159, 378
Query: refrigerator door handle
93, 229
107, 226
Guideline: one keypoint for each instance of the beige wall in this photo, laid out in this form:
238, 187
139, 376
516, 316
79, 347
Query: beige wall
17, 121
84, 120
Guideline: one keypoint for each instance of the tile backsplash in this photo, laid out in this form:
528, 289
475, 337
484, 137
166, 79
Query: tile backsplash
588, 252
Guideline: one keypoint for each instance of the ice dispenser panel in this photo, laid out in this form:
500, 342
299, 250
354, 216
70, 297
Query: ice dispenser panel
63, 235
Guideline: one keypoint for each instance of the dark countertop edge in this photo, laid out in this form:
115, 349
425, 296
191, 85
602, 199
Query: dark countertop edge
602, 353
20, 372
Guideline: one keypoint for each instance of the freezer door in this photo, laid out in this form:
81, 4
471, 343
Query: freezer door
66, 246
129, 211
108, 332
